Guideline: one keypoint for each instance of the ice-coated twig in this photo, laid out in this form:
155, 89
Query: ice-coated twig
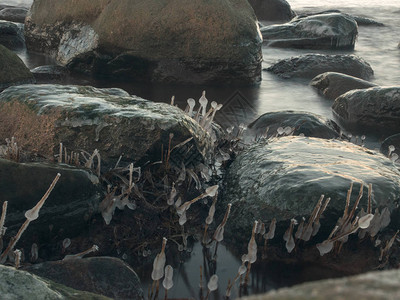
94, 248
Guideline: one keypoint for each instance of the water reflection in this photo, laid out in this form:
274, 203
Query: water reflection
264, 276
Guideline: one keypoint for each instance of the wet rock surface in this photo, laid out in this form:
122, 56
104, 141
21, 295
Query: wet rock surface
13, 14
12, 69
12, 35
325, 31
123, 39
284, 178
375, 110
308, 124
372, 285
361, 20
16, 284
110, 120
272, 10
332, 84
106, 276
67, 210
311, 65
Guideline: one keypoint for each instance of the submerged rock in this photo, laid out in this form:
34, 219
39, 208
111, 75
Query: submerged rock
304, 123
311, 65
272, 10
49, 73
332, 84
368, 286
284, 179
325, 31
13, 14
12, 69
74, 199
376, 109
110, 120
17, 284
12, 35
199, 42
106, 276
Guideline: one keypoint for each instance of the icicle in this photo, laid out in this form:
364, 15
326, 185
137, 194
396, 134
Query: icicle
169, 273
159, 263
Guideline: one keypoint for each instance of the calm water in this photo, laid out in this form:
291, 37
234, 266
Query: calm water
377, 45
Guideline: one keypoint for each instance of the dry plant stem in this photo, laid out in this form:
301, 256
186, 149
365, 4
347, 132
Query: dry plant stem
3, 217
166, 294
313, 217
350, 216
46, 195
369, 210
346, 209
157, 289
15, 239
60, 154
208, 294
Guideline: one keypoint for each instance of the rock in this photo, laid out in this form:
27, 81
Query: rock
284, 179
272, 10
325, 31
376, 110
13, 14
74, 199
12, 35
49, 73
110, 120
12, 70
361, 21
199, 42
106, 276
393, 140
16, 284
308, 124
332, 84
310, 65
368, 286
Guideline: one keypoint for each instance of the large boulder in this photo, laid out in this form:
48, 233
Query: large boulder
41, 117
369, 286
68, 209
325, 31
304, 123
284, 179
12, 69
13, 14
272, 10
12, 35
376, 110
333, 84
17, 284
310, 65
187, 41
106, 276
